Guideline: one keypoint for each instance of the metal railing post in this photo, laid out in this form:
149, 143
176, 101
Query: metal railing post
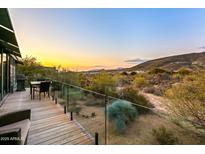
64, 109
96, 138
68, 97
71, 116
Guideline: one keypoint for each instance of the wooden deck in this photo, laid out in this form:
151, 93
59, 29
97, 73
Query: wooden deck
49, 125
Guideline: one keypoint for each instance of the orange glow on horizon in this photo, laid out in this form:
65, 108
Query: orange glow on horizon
81, 67
78, 64
73, 60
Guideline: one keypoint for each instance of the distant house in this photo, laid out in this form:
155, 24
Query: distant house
10, 55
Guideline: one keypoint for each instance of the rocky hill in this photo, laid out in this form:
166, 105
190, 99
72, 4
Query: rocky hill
172, 63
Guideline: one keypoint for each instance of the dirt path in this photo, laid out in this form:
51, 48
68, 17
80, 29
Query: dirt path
158, 101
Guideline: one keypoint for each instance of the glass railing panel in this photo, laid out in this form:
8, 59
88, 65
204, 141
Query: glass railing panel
134, 124
118, 121
59, 93
89, 112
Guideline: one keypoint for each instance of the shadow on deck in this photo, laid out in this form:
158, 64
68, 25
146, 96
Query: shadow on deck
49, 124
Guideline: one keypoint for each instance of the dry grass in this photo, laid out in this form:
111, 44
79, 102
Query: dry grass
93, 124
138, 132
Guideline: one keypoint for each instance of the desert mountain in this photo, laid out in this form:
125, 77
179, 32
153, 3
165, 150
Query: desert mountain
172, 63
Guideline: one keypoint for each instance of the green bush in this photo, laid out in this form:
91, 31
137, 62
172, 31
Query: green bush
75, 108
94, 100
133, 96
164, 137
187, 99
140, 82
184, 71
124, 73
133, 73
121, 112
76, 95
158, 71
104, 83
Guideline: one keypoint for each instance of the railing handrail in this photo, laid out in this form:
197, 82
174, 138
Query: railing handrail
97, 93
77, 87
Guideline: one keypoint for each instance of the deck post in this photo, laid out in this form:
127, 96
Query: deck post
71, 116
96, 138
68, 97
64, 109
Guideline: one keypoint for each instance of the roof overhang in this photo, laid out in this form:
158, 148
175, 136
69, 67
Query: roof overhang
17, 59
8, 40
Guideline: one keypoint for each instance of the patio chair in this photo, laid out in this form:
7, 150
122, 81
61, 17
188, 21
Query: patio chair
43, 88
14, 127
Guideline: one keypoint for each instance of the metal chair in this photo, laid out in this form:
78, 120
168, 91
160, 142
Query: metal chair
43, 88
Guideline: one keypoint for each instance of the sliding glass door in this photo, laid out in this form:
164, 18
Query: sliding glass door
1, 84
7, 74
5, 77
12, 73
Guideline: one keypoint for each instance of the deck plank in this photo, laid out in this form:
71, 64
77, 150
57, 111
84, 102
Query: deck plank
49, 125
48, 136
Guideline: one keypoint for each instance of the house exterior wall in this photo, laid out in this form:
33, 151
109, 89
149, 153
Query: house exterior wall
7, 75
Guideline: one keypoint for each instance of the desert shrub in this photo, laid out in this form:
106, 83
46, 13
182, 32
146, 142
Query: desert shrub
153, 90
118, 79
164, 137
121, 113
176, 77
161, 78
133, 73
124, 73
84, 80
187, 99
158, 71
75, 108
104, 83
76, 95
133, 96
184, 71
164, 77
140, 82
124, 81
92, 100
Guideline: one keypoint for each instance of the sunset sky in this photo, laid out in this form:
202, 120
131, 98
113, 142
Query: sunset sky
83, 39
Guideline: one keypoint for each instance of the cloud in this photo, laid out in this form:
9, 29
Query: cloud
135, 61
202, 47
199, 49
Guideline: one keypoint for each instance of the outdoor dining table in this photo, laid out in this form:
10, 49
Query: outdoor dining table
34, 84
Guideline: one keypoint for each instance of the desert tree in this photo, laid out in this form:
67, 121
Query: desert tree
187, 99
